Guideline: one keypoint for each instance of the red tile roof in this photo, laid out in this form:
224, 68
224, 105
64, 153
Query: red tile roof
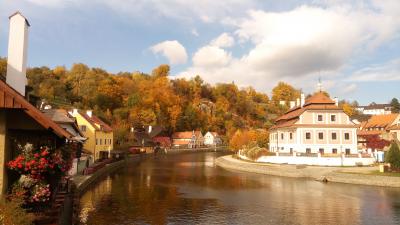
96, 122
318, 101
186, 134
10, 98
380, 121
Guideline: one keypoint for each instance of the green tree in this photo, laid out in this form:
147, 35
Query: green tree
395, 105
393, 156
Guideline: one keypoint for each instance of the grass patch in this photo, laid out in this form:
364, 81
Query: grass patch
389, 174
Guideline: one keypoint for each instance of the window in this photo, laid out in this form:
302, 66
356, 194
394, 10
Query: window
346, 136
320, 136
333, 118
101, 141
291, 136
320, 118
347, 151
321, 151
308, 150
291, 150
83, 128
308, 135
282, 136
334, 136
97, 141
334, 151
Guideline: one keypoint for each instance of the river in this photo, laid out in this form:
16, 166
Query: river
190, 189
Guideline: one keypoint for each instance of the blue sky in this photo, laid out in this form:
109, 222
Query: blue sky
354, 46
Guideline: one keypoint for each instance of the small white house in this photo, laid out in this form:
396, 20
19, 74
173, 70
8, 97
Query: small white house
212, 138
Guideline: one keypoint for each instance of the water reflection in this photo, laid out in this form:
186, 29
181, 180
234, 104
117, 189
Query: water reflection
190, 189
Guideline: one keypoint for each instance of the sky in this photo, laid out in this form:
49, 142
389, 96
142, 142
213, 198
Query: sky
352, 46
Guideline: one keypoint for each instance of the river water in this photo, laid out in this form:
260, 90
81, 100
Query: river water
190, 189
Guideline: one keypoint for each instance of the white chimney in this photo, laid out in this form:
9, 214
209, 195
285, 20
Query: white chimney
73, 113
292, 104
336, 99
302, 99
89, 113
17, 52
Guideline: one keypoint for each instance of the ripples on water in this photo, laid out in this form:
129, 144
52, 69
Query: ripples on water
190, 189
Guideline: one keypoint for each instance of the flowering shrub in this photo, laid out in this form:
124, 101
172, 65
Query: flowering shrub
40, 193
38, 162
35, 166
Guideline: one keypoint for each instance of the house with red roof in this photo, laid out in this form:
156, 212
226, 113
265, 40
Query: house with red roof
315, 125
189, 139
100, 136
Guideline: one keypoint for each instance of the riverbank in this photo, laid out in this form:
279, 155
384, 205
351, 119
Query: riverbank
349, 175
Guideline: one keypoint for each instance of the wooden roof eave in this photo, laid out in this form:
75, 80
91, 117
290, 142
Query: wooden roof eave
10, 98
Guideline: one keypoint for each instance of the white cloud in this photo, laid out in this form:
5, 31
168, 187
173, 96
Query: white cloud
225, 40
172, 50
389, 71
211, 57
297, 45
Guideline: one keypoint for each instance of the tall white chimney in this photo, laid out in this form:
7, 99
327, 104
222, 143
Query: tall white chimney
302, 99
17, 52
336, 99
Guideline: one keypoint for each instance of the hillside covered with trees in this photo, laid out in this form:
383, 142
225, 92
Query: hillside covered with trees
135, 99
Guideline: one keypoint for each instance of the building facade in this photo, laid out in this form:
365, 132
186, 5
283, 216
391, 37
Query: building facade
189, 139
385, 126
375, 109
316, 125
212, 138
100, 136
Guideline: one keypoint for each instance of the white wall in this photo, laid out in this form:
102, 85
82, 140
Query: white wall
317, 161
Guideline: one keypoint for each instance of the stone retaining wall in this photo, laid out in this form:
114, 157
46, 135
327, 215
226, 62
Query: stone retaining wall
349, 175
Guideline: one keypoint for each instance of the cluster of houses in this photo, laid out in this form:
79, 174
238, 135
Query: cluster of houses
317, 125
21, 122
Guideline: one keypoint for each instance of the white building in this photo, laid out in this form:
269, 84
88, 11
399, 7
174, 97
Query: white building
316, 125
212, 138
375, 109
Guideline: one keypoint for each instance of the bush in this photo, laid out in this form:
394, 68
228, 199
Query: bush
393, 156
254, 152
11, 212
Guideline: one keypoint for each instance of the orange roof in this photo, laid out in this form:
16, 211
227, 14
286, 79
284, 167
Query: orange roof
319, 98
93, 120
185, 134
318, 101
380, 121
10, 98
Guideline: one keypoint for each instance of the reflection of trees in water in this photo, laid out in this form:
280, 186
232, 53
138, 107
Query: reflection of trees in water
149, 194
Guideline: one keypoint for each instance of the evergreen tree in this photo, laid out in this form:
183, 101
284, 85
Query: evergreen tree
395, 105
393, 156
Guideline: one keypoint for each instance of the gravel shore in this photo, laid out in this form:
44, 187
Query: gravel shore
349, 175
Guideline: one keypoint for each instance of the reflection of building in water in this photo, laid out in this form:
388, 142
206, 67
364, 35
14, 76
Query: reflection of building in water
90, 199
316, 203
